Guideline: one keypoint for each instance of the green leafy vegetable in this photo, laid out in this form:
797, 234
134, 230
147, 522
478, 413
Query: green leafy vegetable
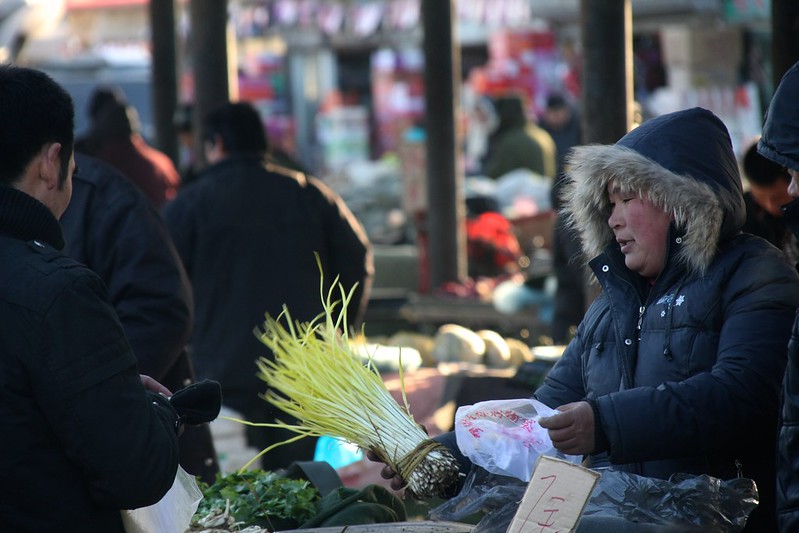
259, 498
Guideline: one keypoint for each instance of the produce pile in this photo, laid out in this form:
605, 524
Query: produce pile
452, 343
253, 501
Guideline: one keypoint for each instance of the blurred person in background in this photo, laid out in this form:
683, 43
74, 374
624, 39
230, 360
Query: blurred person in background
113, 229
187, 159
114, 136
248, 231
517, 141
561, 120
768, 192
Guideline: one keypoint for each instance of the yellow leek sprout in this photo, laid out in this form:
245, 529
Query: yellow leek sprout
317, 378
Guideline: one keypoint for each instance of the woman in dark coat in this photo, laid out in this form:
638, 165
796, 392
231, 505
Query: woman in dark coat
678, 363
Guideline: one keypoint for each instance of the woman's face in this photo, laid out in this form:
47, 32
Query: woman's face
641, 229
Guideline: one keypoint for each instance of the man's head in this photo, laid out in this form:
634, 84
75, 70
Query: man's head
768, 181
36, 136
233, 128
104, 96
558, 111
112, 117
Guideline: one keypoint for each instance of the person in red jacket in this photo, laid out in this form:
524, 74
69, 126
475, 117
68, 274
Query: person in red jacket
114, 137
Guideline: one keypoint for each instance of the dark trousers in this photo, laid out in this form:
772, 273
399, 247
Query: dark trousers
570, 272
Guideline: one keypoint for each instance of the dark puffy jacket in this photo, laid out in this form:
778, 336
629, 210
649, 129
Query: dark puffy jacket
247, 234
685, 376
780, 143
112, 228
81, 437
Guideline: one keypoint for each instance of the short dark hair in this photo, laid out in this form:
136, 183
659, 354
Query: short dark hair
761, 170
239, 126
183, 117
34, 111
556, 101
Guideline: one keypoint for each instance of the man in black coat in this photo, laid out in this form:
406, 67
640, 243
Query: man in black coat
111, 227
84, 435
248, 232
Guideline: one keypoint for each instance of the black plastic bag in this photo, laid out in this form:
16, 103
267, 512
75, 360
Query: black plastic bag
684, 502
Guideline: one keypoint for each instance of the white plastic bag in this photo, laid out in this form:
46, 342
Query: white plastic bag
503, 436
172, 514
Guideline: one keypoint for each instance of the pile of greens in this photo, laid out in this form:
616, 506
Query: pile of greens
258, 498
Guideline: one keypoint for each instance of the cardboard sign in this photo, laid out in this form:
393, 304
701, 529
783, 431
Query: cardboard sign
555, 497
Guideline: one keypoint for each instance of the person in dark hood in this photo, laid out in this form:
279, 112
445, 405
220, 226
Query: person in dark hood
677, 364
780, 143
517, 142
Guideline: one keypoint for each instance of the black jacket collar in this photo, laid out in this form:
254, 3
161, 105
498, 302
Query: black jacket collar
26, 218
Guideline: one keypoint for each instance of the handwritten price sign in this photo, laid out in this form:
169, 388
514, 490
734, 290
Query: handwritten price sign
555, 497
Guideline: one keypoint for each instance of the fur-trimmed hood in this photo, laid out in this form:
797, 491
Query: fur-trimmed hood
683, 161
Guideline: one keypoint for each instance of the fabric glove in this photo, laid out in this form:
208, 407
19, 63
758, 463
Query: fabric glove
198, 403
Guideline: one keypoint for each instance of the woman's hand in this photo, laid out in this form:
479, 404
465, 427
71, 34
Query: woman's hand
572, 430
397, 483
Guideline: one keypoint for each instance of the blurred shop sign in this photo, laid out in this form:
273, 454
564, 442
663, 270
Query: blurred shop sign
94, 4
747, 10
369, 17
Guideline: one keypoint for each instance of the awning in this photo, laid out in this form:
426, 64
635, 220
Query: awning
95, 4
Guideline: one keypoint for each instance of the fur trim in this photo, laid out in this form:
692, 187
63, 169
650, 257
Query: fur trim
697, 209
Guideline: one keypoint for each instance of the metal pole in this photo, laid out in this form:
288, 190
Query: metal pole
784, 42
209, 60
164, 76
607, 104
446, 207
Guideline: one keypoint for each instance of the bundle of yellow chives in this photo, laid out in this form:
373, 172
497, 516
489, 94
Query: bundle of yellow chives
316, 377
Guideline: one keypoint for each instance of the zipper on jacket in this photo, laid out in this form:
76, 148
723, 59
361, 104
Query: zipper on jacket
641, 310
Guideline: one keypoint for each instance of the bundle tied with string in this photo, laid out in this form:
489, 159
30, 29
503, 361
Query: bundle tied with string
318, 379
